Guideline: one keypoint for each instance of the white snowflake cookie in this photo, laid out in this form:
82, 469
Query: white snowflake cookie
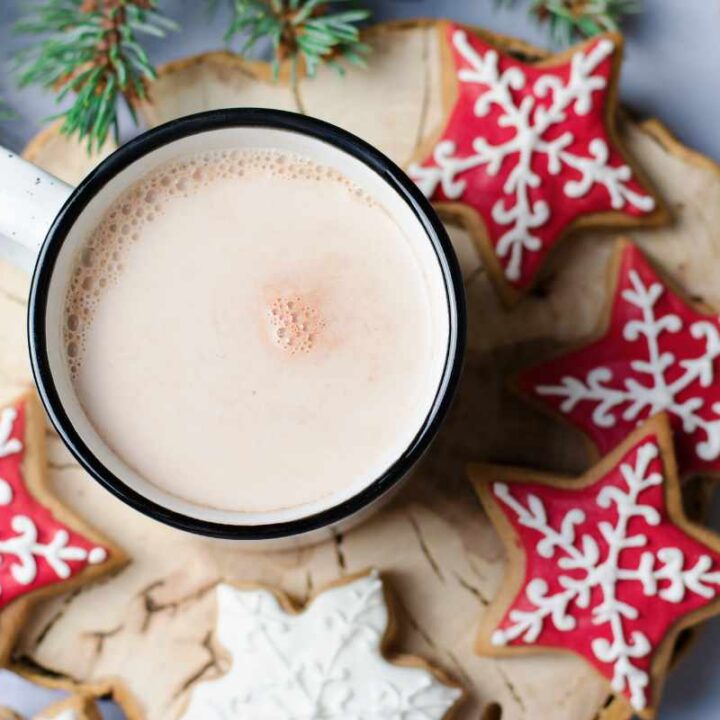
324, 663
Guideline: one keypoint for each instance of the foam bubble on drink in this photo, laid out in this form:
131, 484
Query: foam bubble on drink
296, 324
100, 263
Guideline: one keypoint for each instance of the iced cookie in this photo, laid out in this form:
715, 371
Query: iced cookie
605, 566
44, 548
327, 660
530, 151
654, 351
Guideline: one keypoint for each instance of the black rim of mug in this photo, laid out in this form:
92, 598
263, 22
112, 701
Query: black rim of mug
218, 120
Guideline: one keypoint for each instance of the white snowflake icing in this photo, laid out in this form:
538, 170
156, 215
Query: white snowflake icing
531, 123
8, 445
583, 555
324, 663
660, 393
23, 547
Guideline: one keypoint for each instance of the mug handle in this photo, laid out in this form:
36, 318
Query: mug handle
30, 199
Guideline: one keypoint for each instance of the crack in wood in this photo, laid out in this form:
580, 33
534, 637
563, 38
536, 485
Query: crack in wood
476, 592
600, 714
153, 607
100, 636
460, 671
192, 679
309, 585
424, 548
425, 101
147, 603
211, 663
144, 596
63, 466
338, 539
471, 564
511, 687
67, 601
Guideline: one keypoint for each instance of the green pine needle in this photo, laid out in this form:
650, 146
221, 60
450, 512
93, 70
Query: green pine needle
316, 31
90, 50
569, 19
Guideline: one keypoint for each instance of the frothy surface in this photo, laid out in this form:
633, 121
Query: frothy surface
250, 331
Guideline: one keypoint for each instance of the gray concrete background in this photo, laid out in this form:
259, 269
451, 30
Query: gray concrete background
672, 71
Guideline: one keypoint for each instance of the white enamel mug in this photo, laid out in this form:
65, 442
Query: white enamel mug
34, 205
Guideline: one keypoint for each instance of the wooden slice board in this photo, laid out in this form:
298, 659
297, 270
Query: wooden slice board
149, 627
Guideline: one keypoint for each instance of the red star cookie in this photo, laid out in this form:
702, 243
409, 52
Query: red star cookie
530, 151
44, 549
605, 566
655, 352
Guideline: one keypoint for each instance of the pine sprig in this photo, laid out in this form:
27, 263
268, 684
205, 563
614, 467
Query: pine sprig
312, 31
91, 51
569, 19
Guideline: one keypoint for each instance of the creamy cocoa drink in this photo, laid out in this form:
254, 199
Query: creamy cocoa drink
247, 330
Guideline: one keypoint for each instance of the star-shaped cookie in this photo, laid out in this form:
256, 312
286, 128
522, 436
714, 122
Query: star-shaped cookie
44, 548
327, 661
655, 351
530, 151
605, 566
